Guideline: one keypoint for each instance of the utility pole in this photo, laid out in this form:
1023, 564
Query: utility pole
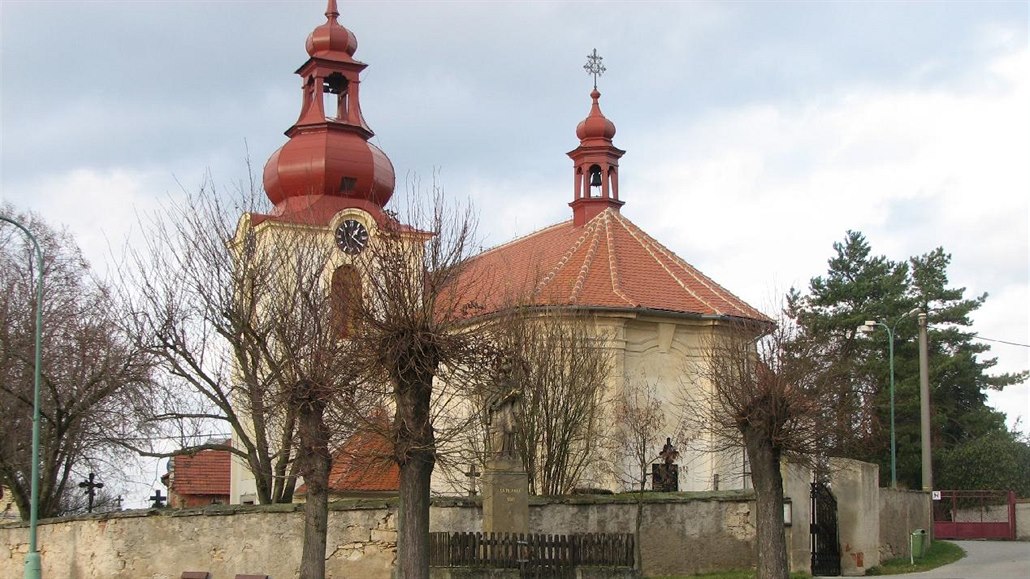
924, 417
924, 405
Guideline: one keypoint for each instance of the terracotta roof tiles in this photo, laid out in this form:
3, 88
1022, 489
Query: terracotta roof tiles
608, 262
204, 473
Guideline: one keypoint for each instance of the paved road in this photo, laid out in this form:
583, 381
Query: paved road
985, 560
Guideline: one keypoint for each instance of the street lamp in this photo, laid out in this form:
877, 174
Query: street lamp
33, 562
868, 328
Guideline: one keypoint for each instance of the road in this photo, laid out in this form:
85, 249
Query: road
984, 560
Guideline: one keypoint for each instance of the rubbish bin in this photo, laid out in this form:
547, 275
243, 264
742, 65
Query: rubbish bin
917, 544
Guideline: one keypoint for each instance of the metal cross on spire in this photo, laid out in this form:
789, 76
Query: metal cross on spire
594, 66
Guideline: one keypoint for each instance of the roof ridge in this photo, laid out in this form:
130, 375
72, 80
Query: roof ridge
613, 265
549, 276
633, 231
728, 297
520, 239
584, 269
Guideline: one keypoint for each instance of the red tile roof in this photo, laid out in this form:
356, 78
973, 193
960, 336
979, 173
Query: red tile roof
607, 263
364, 463
204, 473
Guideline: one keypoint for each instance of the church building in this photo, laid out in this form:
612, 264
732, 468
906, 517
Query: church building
329, 182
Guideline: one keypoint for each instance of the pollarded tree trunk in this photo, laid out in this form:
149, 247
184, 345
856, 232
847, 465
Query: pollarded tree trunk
768, 483
315, 463
413, 517
415, 446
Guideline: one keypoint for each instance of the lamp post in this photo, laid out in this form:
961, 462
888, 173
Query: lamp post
867, 328
33, 562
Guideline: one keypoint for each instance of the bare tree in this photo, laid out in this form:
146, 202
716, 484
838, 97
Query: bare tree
255, 322
639, 416
413, 337
197, 308
562, 368
759, 386
94, 380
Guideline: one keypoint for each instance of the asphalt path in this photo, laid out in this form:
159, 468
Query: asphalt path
985, 560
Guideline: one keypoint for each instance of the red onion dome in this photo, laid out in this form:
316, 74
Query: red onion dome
595, 126
331, 40
333, 163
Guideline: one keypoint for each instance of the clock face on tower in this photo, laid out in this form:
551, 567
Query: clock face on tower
351, 237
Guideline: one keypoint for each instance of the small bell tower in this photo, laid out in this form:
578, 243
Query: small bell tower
328, 163
596, 159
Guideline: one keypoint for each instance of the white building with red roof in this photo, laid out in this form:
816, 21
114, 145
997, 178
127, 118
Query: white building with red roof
655, 310
329, 184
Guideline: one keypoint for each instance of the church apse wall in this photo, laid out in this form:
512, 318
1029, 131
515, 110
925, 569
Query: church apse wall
668, 351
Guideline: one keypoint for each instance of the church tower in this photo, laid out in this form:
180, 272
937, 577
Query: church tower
328, 185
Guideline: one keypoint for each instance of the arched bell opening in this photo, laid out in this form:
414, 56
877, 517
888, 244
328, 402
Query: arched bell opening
335, 98
596, 182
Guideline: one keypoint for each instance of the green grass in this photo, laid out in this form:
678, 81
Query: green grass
939, 553
727, 575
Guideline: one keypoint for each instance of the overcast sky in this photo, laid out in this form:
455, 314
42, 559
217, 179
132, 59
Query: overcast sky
757, 133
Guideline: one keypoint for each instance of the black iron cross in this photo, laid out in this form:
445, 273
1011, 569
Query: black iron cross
159, 501
91, 491
472, 474
118, 502
594, 66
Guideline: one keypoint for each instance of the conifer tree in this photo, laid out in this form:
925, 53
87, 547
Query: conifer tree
860, 286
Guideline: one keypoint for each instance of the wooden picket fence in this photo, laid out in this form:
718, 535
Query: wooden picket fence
530, 550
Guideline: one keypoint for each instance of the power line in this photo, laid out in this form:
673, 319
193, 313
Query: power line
1001, 341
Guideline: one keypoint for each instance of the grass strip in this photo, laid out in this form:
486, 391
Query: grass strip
940, 553
726, 575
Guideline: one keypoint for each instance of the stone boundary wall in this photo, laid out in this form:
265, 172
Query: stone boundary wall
901, 512
1023, 519
224, 540
682, 533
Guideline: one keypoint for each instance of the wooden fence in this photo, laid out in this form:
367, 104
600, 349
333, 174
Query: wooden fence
518, 550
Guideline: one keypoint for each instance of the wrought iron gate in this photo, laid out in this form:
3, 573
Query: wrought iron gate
825, 539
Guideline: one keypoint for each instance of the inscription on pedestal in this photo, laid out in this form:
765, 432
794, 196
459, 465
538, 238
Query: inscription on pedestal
505, 502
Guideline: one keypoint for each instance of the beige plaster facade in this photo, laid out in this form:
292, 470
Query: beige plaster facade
668, 350
660, 349
315, 245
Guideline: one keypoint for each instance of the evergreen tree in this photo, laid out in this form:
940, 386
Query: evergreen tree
860, 286
998, 461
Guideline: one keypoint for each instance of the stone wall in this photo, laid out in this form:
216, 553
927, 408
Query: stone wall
223, 540
1023, 519
856, 486
797, 486
901, 512
681, 533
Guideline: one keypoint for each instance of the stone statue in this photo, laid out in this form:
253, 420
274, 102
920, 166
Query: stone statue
502, 424
503, 410
505, 482
669, 453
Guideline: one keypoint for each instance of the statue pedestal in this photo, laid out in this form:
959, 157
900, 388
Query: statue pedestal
505, 497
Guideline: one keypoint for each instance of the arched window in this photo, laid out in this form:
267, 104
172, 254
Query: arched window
345, 300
